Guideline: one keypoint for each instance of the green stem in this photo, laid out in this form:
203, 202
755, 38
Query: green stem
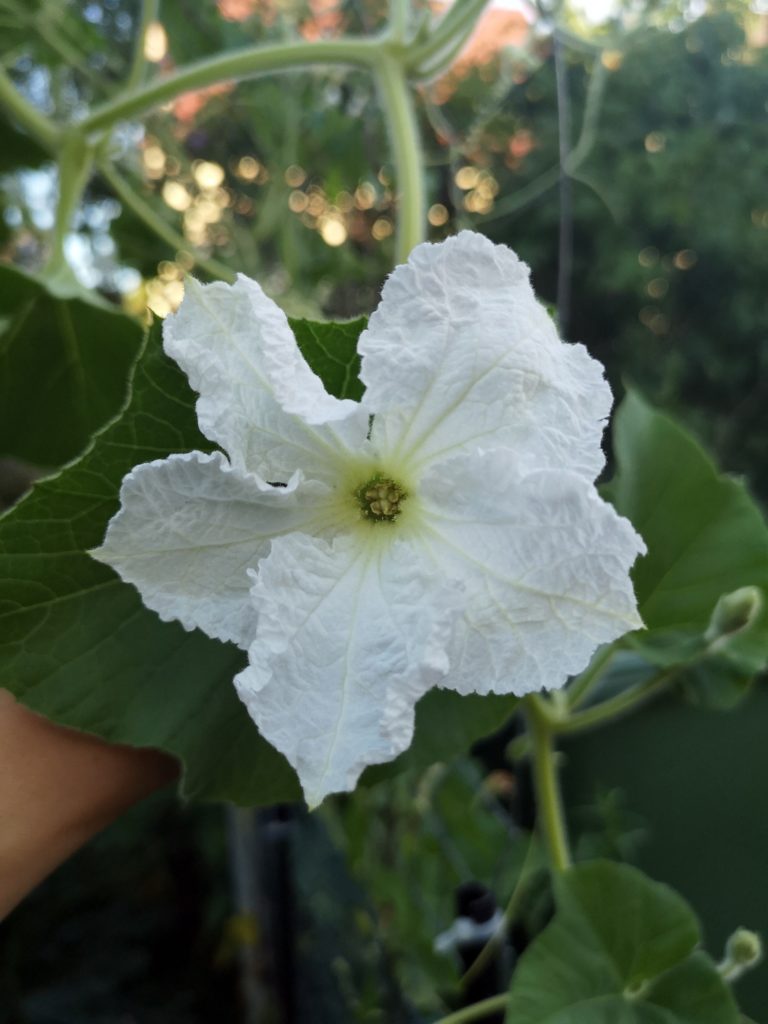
621, 704
231, 66
399, 18
54, 37
149, 216
549, 804
477, 1011
407, 153
75, 165
589, 124
150, 10
581, 685
480, 962
573, 161
729, 971
49, 22
443, 45
28, 116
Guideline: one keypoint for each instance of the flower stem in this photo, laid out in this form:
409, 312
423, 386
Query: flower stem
621, 704
407, 154
28, 116
444, 44
375, 54
549, 804
480, 962
231, 66
75, 159
573, 161
399, 20
150, 10
582, 684
477, 1010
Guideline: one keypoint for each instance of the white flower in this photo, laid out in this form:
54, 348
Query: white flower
455, 539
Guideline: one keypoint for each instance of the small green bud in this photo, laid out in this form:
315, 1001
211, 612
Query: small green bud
744, 948
734, 613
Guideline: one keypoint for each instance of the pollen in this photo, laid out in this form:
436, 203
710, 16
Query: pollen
380, 499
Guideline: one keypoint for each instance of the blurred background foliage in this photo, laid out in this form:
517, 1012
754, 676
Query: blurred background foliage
656, 247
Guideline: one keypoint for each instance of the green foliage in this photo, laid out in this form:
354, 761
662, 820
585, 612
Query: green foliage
706, 539
620, 950
64, 364
670, 253
411, 841
698, 780
705, 535
78, 644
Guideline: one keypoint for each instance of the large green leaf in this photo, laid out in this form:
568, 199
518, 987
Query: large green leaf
64, 368
78, 645
620, 950
705, 535
701, 587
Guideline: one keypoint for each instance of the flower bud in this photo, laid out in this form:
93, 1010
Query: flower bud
734, 613
744, 948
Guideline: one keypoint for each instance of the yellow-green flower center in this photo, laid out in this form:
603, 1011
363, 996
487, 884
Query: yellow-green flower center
380, 499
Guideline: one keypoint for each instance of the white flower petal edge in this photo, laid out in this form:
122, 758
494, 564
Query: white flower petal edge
461, 355
345, 646
545, 565
188, 529
238, 351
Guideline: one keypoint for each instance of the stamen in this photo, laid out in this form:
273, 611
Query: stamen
380, 499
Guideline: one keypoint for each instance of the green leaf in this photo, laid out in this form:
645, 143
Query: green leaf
705, 534
694, 992
620, 950
717, 683
64, 369
331, 351
706, 539
77, 645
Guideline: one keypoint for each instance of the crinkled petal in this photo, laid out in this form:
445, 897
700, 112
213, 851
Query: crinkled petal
345, 646
240, 355
545, 564
188, 529
461, 355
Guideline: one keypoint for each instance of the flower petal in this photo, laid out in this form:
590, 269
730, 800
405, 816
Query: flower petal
545, 563
345, 647
187, 531
239, 353
460, 355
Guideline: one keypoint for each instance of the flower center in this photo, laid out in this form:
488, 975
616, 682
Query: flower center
380, 499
